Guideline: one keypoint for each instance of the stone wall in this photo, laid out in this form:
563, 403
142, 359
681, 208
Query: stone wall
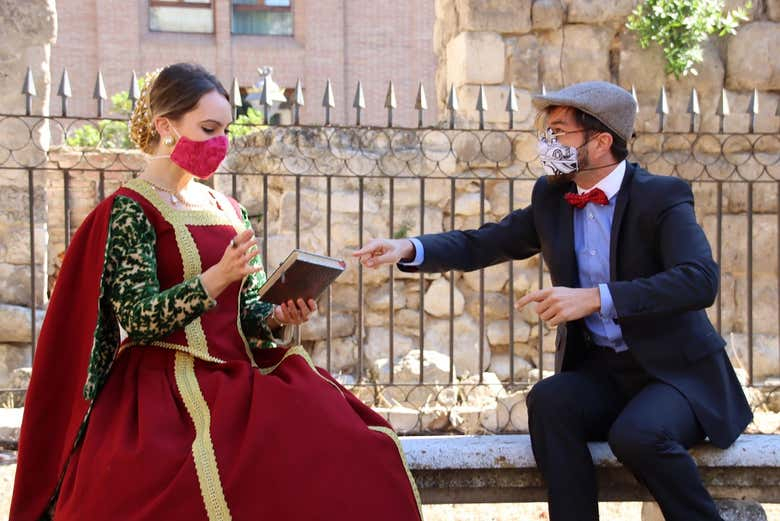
28, 29
554, 43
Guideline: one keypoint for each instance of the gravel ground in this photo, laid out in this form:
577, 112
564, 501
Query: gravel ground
629, 511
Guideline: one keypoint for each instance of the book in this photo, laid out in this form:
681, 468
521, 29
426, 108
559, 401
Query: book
302, 275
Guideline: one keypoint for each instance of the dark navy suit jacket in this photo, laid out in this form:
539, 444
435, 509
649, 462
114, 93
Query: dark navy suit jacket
662, 277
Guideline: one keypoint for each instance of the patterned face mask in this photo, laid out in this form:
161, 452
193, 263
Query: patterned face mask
200, 158
557, 159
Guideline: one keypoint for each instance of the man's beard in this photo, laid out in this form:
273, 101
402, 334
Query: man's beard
583, 162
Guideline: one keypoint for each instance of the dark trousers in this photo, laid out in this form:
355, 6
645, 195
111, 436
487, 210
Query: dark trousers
649, 426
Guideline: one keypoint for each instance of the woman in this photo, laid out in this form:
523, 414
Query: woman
191, 417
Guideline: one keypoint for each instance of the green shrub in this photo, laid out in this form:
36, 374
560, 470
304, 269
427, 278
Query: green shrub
680, 27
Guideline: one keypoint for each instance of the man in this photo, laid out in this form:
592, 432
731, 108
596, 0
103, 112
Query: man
637, 361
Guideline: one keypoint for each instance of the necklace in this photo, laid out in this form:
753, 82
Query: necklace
177, 198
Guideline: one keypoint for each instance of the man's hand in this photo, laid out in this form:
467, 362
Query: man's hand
385, 251
560, 304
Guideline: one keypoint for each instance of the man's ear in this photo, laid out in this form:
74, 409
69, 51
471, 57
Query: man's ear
605, 142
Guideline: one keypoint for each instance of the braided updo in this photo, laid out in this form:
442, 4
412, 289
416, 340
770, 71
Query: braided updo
170, 92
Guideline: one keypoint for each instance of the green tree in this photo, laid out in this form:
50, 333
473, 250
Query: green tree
680, 27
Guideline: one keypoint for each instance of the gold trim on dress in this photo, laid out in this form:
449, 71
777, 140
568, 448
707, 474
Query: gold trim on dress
299, 351
393, 436
202, 447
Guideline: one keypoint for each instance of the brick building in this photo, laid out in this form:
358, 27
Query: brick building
344, 40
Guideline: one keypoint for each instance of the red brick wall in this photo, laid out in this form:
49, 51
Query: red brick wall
344, 40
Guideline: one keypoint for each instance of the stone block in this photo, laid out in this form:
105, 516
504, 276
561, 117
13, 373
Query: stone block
598, 11
752, 57
586, 53
547, 14
476, 58
466, 343
523, 52
437, 299
502, 16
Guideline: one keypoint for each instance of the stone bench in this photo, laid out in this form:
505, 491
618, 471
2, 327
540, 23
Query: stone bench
501, 469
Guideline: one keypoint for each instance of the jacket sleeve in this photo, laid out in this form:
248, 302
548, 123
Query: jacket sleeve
514, 237
689, 279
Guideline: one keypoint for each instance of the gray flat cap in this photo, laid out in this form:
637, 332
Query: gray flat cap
610, 104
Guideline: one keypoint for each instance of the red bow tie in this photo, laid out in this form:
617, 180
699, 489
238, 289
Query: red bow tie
594, 196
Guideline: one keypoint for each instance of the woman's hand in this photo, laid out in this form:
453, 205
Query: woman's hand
234, 264
291, 314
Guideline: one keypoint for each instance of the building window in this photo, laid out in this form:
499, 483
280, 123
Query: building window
181, 16
272, 17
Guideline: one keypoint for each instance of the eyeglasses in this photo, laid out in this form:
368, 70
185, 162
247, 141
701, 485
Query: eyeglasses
549, 134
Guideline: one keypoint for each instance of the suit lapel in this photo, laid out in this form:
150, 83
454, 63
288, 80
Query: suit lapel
565, 241
617, 218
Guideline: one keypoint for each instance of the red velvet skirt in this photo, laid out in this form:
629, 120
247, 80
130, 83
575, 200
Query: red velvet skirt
175, 438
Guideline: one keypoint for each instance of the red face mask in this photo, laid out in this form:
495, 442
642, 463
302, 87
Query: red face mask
200, 158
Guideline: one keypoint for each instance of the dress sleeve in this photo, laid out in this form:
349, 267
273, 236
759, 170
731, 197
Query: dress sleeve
255, 312
145, 312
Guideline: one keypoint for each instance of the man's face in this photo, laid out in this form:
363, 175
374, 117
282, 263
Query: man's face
568, 132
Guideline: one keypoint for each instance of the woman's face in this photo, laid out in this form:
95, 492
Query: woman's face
210, 117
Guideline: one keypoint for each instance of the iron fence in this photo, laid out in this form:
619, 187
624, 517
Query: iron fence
736, 176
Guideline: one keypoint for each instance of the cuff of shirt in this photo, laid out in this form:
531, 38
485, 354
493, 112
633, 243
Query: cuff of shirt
607, 306
419, 255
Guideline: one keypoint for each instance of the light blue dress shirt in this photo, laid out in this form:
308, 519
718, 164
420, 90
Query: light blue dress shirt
592, 226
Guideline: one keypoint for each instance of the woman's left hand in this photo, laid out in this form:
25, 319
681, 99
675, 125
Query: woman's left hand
294, 313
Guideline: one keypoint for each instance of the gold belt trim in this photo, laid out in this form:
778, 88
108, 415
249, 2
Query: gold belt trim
175, 347
202, 448
299, 351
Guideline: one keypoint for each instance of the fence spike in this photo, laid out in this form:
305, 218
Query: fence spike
753, 110
662, 109
511, 105
235, 96
723, 109
28, 88
693, 108
421, 104
328, 100
359, 103
265, 100
453, 105
544, 89
723, 104
134, 92
64, 91
693, 103
482, 106
297, 102
390, 101
99, 93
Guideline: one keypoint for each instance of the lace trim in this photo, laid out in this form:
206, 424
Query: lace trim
397, 442
203, 447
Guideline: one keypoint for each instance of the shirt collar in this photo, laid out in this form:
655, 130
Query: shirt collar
610, 184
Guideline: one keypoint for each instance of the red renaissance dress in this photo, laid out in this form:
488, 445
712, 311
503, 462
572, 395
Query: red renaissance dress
201, 423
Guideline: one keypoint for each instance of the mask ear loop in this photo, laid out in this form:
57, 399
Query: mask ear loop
165, 156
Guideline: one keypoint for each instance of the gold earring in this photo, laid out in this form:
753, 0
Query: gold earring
168, 140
